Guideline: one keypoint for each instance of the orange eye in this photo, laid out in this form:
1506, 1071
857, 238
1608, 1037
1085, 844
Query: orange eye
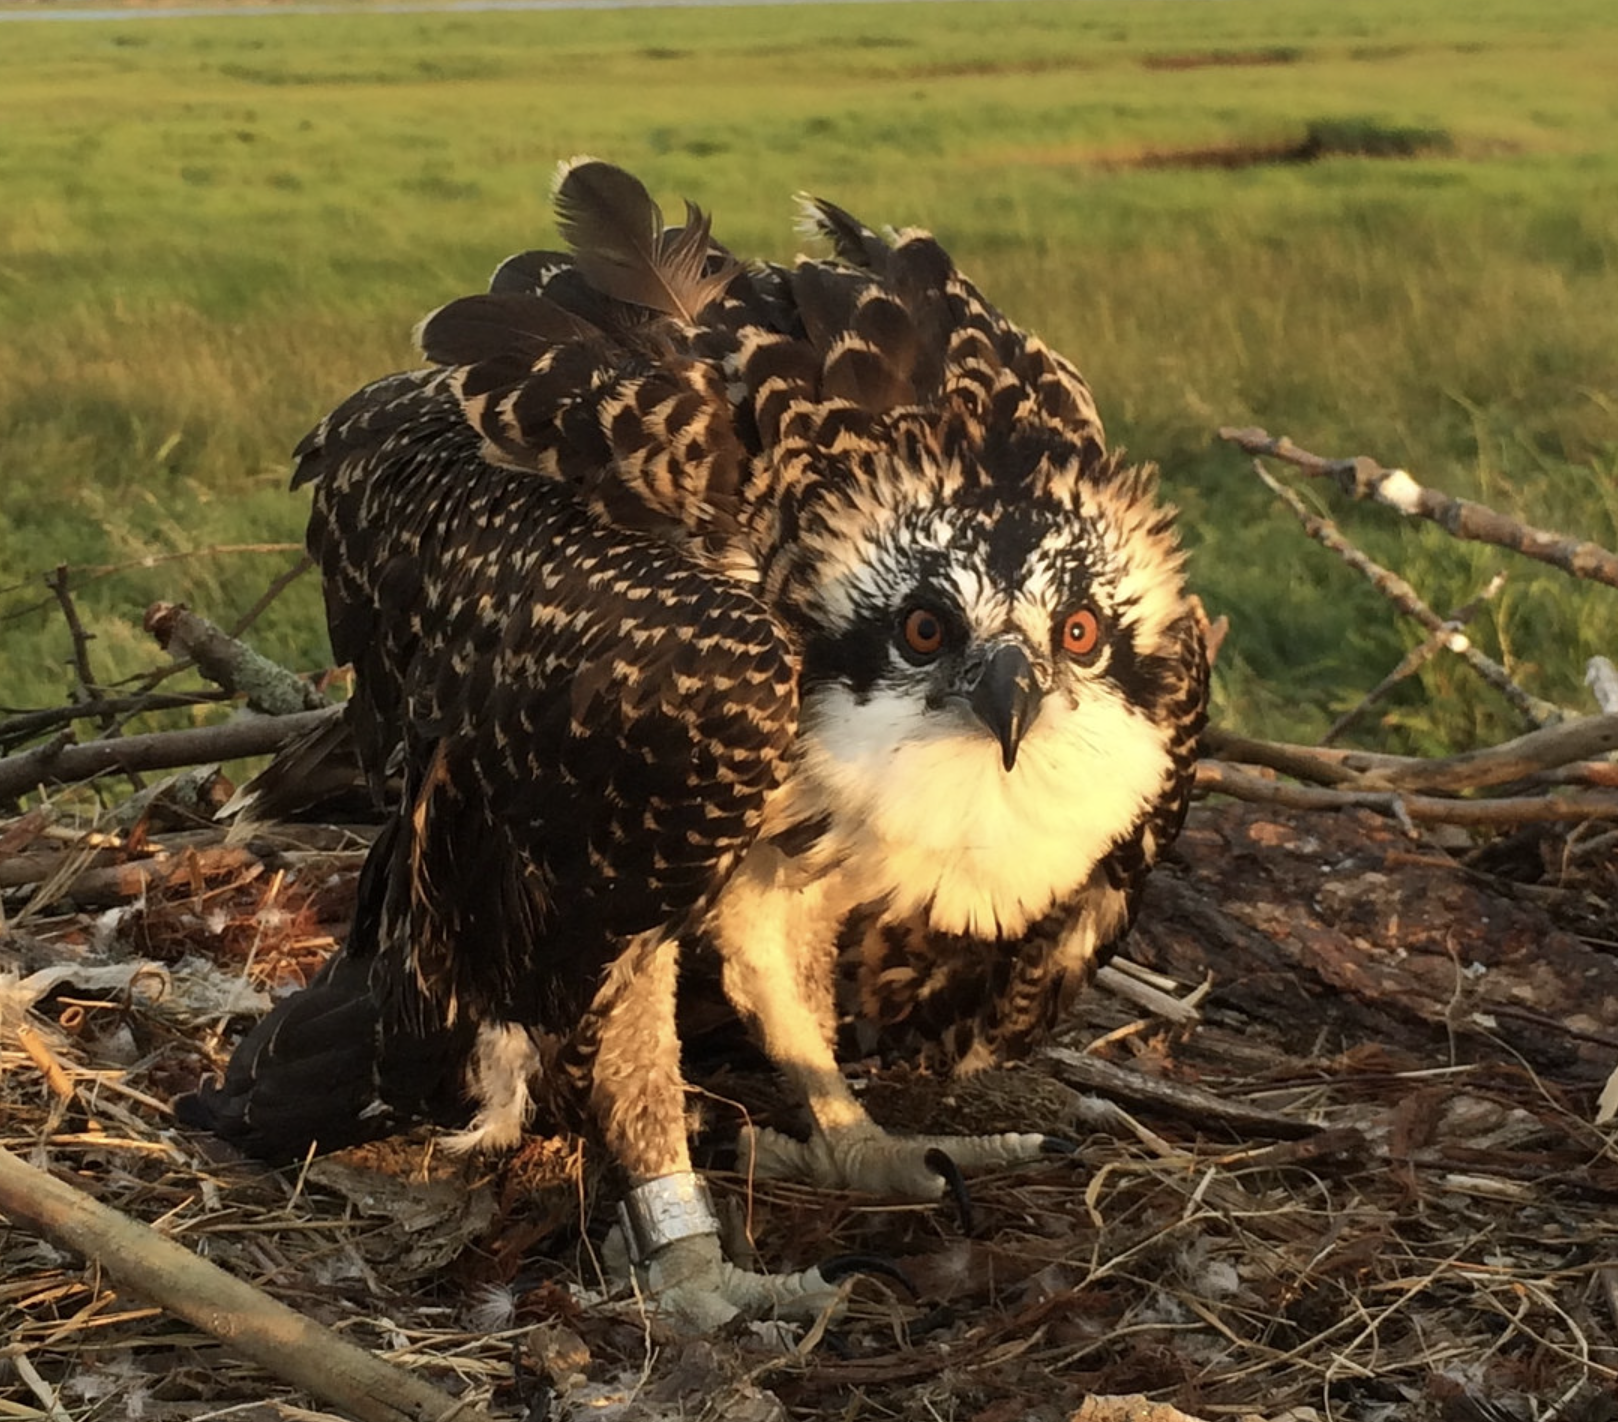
923, 633
1081, 633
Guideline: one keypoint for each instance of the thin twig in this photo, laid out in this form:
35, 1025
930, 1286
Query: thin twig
277, 586
1364, 478
1416, 658
1410, 602
26, 724
89, 689
94, 572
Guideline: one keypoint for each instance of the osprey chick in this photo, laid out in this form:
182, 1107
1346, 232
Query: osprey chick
788, 623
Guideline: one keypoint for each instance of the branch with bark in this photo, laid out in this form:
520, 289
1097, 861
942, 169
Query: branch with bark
1364, 478
243, 1318
229, 662
61, 760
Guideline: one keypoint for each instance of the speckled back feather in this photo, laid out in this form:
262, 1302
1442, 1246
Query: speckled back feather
701, 399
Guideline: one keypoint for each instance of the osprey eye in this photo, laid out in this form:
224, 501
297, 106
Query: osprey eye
921, 634
1081, 633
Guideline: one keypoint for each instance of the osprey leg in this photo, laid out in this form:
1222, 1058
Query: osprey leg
668, 1228
788, 998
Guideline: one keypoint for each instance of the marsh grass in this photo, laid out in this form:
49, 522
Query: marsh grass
212, 230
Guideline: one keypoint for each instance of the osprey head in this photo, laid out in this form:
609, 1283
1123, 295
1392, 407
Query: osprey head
999, 683
1006, 617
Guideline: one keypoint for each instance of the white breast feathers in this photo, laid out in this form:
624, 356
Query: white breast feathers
923, 810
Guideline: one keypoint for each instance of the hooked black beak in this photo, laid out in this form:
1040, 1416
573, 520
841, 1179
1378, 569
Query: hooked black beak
1006, 698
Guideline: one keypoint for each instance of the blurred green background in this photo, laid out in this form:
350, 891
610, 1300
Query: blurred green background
212, 229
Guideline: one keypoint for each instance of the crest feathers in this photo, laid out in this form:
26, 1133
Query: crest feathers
850, 238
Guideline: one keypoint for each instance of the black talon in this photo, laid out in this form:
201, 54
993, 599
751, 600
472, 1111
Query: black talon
1055, 1145
839, 1267
941, 1163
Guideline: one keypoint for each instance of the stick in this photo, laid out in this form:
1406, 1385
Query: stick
234, 665
1321, 766
1549, 748
27, 724
104, 885
1217, 778
1364, 478
1410, 602
39, 1052
1416, 658
89, 690
278, 585
54, 1411
60, 760
1584, 739
244, 1319
1086, 1073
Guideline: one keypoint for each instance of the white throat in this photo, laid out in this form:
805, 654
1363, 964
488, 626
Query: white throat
925, 813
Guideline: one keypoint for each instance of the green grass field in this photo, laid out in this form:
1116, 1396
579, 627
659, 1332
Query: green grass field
211, 230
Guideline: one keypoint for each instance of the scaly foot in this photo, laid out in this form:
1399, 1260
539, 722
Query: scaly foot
866, 1158
669, 1236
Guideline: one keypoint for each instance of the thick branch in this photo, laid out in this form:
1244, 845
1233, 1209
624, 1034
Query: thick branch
1366, 479
268, 686
1584, 739
1587, 738
244, 1319
60, 760
1218, 778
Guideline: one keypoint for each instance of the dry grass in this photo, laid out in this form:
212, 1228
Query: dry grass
1411, 1221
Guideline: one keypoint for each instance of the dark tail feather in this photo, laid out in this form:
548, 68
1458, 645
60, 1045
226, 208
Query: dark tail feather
325, 1069
315, 770
305, 1076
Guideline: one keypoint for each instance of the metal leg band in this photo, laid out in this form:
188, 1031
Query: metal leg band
663, 1210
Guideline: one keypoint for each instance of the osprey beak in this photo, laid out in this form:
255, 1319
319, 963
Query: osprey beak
1006, 697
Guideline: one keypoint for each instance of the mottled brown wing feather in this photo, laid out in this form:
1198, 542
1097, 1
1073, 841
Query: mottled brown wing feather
588, 720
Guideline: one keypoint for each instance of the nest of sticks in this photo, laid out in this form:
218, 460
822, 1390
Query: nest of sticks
1345, 1120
